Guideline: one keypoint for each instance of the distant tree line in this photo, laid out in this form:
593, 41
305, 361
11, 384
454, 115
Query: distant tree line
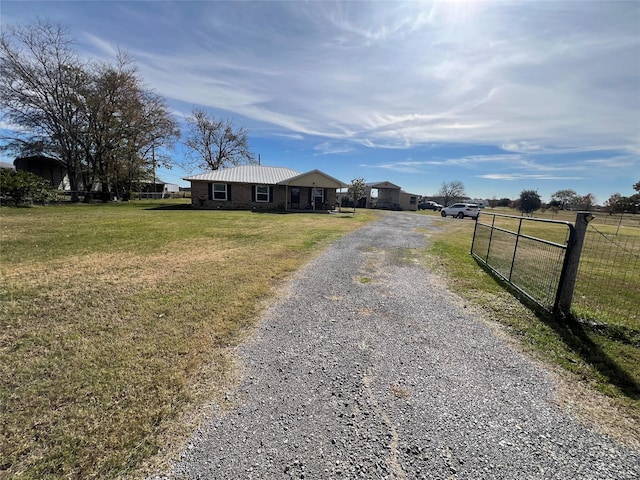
530, 201
619, 204
108, 130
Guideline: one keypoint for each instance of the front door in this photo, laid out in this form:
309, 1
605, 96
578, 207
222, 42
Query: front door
318, 198
295, 197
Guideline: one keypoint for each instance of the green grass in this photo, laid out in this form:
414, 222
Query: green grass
116, 322
608, 279
606, 364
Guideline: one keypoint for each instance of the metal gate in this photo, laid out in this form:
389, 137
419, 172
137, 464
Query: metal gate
513, 249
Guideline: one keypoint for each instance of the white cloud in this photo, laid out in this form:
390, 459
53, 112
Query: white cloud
327, 148
408, 73
515, 176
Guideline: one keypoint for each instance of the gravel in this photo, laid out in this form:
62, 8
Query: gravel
368, 369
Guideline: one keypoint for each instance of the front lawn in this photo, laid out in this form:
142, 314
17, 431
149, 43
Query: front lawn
116, 322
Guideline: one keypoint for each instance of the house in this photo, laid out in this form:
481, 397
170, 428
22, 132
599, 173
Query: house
261, 187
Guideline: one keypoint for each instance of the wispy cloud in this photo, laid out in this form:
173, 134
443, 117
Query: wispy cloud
524, 176
399, 75
328, 148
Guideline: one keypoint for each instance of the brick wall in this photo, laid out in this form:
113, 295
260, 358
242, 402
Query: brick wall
241, 195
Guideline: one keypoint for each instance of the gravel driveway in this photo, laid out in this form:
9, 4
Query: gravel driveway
367, 369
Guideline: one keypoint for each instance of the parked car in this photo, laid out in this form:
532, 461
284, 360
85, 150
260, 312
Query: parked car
430, 206
461, 210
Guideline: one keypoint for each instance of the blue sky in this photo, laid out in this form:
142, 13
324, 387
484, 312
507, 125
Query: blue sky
503, 96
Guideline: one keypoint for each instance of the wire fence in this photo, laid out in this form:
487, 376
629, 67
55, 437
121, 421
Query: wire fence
608, 282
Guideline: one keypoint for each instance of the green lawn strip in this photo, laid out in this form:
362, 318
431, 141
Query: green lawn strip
107, 340
609, 366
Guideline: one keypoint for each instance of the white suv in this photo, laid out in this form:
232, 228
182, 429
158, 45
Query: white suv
461, 210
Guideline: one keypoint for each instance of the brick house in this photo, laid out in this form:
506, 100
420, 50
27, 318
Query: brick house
259, 187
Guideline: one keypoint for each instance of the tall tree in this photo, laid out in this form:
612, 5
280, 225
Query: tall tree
529, 201
98, 119
215, 143
40, 76
356, 190
127, 124
451, 192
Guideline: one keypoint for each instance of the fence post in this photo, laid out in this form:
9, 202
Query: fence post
569, 272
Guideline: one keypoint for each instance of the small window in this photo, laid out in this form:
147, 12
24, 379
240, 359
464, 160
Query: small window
412, 200
219, 191
262, 193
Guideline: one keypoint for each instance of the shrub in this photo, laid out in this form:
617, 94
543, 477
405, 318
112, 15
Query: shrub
23, 187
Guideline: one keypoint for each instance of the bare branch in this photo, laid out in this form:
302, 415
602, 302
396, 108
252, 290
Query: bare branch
215, 143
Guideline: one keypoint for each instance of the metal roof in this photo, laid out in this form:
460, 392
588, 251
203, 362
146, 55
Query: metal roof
317, 178
383, 184
257, 174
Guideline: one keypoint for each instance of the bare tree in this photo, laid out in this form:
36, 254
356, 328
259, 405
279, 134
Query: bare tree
215, 143
97, 119
451, 192
126, 124
40, 76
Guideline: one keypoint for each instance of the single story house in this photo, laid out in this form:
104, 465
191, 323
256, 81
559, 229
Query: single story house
261, 187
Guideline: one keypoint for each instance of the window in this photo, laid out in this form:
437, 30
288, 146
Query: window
318, 194
412, 200
219, 191
262, 193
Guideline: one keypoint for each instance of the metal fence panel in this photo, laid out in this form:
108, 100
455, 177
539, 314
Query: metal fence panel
501, 251
536, 269
530, 264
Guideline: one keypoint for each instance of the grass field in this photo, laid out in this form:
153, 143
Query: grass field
116, 321
607, 288
607, 363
